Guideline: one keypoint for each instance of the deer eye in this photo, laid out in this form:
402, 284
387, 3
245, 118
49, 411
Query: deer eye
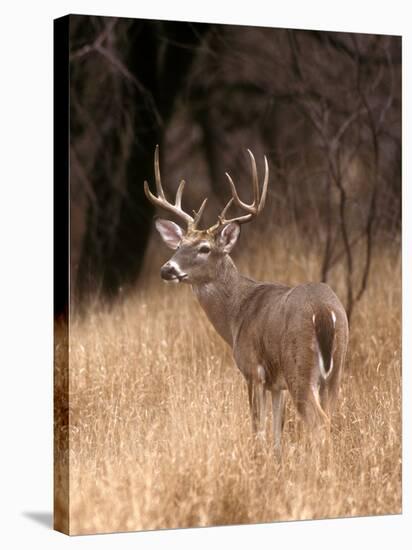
204, 249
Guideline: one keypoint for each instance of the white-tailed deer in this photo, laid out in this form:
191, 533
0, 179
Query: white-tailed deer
282, 337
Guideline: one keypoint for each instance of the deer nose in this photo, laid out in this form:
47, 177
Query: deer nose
169, 272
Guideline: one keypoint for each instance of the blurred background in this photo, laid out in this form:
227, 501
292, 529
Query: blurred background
324, 107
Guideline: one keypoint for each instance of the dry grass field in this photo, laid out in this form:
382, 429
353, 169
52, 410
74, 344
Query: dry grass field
160, 433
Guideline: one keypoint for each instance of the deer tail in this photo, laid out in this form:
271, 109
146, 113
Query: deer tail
324, 321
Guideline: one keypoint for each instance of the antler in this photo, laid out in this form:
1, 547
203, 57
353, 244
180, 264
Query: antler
252, 210
258, 199
176, 208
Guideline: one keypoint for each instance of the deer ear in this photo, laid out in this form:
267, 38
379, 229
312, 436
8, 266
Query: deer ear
228, 237
170, 232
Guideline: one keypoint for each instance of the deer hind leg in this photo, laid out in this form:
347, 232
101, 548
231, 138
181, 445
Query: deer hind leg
315, 440
307, 400
257, 401
324, 399
326, 402
303, 379
311, 410
278, 413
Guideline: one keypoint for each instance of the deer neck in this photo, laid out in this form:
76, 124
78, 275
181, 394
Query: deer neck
222, 297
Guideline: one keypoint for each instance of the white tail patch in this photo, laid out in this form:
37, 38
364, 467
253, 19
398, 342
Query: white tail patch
261, 374
321, 364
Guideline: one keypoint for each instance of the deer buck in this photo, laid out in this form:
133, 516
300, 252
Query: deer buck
283, 338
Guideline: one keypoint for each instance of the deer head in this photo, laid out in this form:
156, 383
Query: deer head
200, 251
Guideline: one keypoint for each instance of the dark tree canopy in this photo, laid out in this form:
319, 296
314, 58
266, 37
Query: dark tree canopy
324, 107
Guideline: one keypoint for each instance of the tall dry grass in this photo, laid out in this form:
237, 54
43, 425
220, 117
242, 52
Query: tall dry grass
160, 432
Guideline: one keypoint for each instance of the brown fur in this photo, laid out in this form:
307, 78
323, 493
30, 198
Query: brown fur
270, 324
279, 335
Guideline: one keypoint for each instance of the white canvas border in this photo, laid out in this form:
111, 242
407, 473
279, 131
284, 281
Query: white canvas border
26, 270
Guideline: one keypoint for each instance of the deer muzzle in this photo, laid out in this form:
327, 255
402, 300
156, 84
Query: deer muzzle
171, 272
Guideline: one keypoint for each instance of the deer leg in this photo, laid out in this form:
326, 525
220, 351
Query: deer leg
278, 410
309, 407
252, 405
324, 399
257, 402
262, 410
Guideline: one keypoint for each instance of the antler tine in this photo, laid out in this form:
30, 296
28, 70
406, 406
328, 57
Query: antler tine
161, 201
254, 207
235, 196
199, 214
254, 179
159, 187
221, 217
265, 186
258, 199
226, 208
152, 198
179, 193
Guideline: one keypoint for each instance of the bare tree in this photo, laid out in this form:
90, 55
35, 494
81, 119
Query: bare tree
324, 107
